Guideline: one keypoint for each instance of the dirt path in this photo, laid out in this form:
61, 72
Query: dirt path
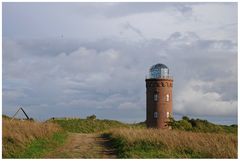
84, 146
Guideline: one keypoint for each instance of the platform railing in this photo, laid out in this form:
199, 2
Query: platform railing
159, 77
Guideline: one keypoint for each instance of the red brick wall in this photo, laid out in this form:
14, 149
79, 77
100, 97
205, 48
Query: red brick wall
161, 87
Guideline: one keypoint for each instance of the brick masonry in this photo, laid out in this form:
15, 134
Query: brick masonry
159, 87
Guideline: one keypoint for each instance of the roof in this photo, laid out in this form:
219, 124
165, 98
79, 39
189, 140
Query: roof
159, 66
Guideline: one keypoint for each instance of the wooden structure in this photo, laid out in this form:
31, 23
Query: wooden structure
23, 113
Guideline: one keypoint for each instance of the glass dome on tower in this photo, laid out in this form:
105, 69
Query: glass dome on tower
159, 71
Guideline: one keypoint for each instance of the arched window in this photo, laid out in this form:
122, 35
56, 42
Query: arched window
167, 97
155, 97
163, 85
168, 114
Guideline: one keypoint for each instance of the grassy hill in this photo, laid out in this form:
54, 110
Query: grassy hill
189, 138
91, 124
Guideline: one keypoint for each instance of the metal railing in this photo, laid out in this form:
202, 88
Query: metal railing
159, 77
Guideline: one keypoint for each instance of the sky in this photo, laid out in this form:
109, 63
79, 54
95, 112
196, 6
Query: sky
79, 59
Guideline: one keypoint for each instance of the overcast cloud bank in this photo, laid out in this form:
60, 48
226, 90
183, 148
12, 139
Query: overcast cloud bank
97, 63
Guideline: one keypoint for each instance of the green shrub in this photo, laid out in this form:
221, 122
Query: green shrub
199, 125
184, 125
92, 117
6, 117
185, 118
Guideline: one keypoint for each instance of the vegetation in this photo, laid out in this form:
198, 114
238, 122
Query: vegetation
189, 138
153, 143
39, 147
6, 117
197, 125
92, 117
88, 125
29, 139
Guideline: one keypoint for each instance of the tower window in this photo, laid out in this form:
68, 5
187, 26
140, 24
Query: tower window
168, 114
155, 97
155, 115
167, 97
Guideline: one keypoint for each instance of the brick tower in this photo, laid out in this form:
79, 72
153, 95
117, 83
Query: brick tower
159, 96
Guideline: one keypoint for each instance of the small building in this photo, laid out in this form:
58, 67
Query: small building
158, 96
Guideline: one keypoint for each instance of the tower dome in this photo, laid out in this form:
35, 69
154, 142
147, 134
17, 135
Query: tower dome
158, 71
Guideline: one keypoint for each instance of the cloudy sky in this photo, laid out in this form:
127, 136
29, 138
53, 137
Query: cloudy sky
78, 59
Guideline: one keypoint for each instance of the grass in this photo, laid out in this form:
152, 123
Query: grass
38, 148
22, 138
189, 138
152, 143
88, 125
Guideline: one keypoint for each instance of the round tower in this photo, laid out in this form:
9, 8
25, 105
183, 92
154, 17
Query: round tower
159, 96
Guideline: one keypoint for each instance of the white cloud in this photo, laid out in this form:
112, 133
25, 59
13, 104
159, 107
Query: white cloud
197, 102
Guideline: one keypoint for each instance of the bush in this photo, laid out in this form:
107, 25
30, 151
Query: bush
185, 125
199, 125
5, 117
185, 118
92, 117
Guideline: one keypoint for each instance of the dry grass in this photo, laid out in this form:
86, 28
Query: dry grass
18, 134
211, 145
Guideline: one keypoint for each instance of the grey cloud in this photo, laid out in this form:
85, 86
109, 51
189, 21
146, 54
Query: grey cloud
68, 59
124, 9
185, 10
94, 21
128, 26
106, 77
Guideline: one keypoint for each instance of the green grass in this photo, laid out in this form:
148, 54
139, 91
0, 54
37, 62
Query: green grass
90, 125
144, 150
139, 146
149, 151
139, 149
39, 147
